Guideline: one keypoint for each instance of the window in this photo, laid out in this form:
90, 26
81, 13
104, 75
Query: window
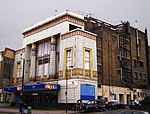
135, 75
140, 76
99, 85
18, 69
141, 63
98, 53
7, 70
40, 67
135, 62
45, 63
43, 48
72, 27
99, 68
144, 77
139, 41
69, 58
87, 59
43, 67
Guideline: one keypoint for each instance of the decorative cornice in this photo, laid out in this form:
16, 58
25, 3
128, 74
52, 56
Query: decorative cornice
19, 51
53, 23
78, 32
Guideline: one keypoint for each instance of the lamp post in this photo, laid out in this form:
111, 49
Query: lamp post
22, 83
66, 93
23, 76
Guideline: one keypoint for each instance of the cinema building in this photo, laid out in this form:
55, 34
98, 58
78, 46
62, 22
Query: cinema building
81, 56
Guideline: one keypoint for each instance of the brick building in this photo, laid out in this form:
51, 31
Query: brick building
121, 60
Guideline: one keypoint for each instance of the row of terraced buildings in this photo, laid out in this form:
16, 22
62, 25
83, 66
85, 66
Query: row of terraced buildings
78, 56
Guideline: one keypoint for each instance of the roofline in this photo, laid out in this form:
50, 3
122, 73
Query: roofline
52, 18
77, 29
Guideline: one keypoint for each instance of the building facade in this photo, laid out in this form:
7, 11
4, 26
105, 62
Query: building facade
121, 60
57, 53
69, 56
6, 72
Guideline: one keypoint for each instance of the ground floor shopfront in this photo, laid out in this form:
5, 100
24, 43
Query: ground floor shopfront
49, 95
122, 94
35, 95
38, 98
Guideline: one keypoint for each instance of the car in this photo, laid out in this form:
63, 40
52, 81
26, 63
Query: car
93, 105
113, 105
135, 104
100, 105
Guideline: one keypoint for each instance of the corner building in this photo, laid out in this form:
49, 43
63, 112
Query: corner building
54, 51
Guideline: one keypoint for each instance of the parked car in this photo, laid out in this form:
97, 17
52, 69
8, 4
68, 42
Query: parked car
115, 105
135, 104
93, 105
100, 105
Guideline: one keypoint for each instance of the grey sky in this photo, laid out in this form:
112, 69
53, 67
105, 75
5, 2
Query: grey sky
16, 15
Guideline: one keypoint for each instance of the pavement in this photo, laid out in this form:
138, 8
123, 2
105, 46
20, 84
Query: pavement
10, 110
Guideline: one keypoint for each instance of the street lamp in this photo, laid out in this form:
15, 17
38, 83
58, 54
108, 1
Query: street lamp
66, 93
22, 90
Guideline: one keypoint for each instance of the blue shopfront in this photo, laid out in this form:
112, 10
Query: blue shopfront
36, 95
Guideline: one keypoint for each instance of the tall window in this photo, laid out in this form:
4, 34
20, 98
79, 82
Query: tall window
135, 75
139, 40
40, 68
45, 63
99, 68
141, 63
18, 69
87, 59
43, 66
7, 70
140, 76
43, 48
69, 58
135, 62
144, 77
99, 53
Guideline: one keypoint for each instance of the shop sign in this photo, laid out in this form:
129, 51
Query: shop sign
50, 86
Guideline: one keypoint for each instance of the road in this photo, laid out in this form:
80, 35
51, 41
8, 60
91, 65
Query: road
120, 111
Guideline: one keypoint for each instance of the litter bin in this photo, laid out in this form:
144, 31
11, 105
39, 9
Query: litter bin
29, 110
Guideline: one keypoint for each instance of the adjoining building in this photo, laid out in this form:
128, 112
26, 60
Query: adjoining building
69, 56
6, 73
121, 60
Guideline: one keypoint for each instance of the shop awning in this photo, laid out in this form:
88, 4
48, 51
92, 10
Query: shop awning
12, 88
34, 87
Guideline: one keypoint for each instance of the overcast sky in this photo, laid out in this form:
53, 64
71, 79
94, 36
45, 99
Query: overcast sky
16, 15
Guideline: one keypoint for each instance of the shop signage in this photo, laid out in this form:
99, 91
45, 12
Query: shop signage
50, 86
33, 87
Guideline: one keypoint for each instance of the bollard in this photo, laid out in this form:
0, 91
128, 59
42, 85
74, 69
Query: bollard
29, 110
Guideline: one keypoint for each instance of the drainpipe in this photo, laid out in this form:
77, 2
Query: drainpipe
137, 41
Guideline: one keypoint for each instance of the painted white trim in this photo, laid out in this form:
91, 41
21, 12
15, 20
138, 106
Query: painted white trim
79, 30
51, 18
